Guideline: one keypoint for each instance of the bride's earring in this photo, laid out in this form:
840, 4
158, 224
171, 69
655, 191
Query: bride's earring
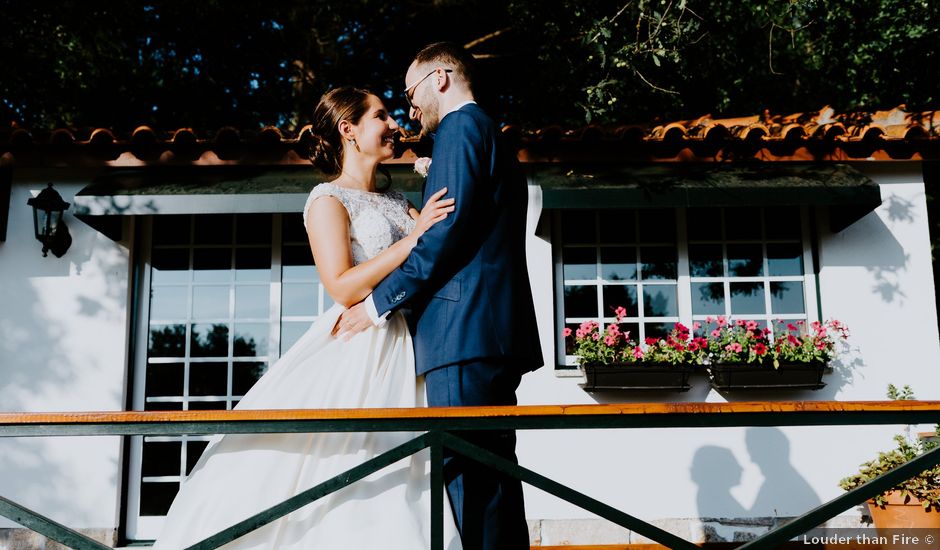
356, 145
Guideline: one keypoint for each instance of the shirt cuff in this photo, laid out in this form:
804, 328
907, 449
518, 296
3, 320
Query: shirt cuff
373, 314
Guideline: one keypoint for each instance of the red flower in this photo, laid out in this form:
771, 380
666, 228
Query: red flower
760, 349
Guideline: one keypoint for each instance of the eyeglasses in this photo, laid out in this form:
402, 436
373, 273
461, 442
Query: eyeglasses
410, 89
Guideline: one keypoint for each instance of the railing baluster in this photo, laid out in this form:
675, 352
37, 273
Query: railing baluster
47, 527
605, 511
437, 493
306, 497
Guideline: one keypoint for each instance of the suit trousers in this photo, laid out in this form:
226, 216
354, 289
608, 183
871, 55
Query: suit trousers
488, 506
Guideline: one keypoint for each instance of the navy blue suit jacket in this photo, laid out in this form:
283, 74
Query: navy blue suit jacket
466, 281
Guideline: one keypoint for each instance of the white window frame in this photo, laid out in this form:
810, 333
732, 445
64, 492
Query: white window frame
564, 363
139, 527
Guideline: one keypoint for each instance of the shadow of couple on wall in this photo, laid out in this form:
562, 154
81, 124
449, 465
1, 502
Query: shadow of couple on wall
784, 492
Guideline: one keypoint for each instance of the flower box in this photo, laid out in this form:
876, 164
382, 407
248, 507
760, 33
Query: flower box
636, 376
752, 376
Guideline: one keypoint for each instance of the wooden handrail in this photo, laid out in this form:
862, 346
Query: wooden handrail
751, 407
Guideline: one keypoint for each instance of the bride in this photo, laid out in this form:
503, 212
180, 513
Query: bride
358, 235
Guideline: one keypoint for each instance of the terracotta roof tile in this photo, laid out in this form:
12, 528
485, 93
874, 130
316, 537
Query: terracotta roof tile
816, 135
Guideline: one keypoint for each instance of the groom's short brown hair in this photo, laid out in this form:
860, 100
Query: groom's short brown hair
451, 56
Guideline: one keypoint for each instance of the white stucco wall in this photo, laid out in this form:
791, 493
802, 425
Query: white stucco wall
62, 348
875, 276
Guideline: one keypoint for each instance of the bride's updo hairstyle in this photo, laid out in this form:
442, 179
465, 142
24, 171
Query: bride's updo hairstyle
346, 103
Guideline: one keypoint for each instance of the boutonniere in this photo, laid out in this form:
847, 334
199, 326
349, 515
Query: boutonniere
422, 165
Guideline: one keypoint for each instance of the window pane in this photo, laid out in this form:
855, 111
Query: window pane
212, 265
155, 498
618, 263
747, 298
742, 224
252, 301
297, 262
703, 224
782, 223
660, 301
253, 229
208, 378
579, 263
787, 297
619, 296
251, 339
213, 229
171, 230
164, 379
207, 405
659, 262
618, 226
658, 225
210, 302
580, 301
169, 265
161, 458
209, 340
253, 264
577, 226
292, 229
168, 302
708, 298
194, 450
299, 299
167, 341
657, 330
745, 260
163, 406
244, 376
705, 260
785, 259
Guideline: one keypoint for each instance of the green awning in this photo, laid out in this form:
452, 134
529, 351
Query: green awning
239, 189
849, 193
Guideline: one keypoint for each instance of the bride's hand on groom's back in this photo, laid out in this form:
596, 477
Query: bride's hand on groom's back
435, 210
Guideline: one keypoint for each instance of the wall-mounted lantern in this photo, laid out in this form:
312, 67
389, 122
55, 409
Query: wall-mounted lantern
51, 231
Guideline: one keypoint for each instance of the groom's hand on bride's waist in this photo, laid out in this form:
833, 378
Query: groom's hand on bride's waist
352, 321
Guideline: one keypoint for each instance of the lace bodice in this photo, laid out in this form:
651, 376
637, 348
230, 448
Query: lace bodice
376, 220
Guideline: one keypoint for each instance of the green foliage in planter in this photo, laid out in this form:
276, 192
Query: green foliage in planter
924, 487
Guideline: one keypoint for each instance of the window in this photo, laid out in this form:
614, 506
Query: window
228, 294
680, 265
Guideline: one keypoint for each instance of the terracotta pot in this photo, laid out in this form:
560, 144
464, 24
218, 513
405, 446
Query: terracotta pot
900, 515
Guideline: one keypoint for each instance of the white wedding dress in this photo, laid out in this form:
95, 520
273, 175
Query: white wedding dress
240, 475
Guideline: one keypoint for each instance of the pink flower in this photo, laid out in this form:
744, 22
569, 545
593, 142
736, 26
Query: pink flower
637, 353
613, 330
820, 345
610, 339
596, 336
739, 322
735, 347
751, 325
423, 166
709, 319
791, 327
566, 332
721, 321
620, 312
697, 326
716, 333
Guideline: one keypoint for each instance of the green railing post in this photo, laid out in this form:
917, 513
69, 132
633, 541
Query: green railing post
581, 500
437, 492
48, 528
306, 497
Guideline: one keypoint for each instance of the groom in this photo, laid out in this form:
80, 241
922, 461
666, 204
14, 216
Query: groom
467, 286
